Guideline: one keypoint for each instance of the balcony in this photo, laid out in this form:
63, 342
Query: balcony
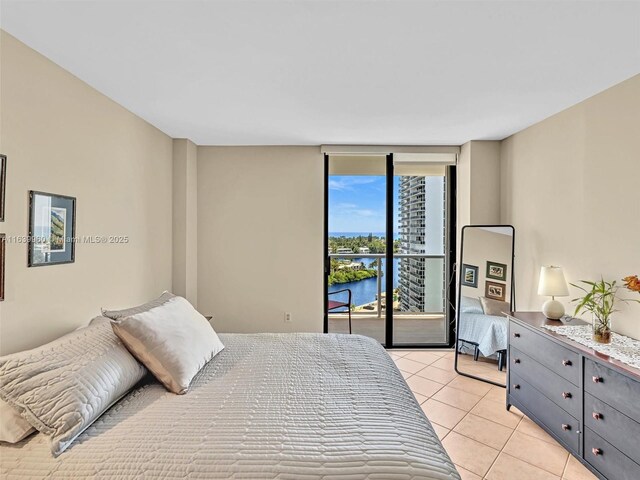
412, 324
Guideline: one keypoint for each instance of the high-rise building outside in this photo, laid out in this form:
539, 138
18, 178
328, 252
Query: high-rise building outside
422, 232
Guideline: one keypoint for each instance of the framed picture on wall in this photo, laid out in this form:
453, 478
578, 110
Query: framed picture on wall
496, 271
495, 290
2, 254
3, 184
52, 229
469, 275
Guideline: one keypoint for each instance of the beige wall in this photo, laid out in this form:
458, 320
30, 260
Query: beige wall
463, 188
260, 246
185, 219
478, 188
570, 186
62, 136
485, 182
244, 224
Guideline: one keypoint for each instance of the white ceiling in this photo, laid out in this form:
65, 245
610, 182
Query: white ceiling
337, 72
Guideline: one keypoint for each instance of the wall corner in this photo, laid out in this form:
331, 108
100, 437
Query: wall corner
185, 220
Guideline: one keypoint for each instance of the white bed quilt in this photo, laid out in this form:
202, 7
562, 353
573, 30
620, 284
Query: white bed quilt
488, 331
269, 406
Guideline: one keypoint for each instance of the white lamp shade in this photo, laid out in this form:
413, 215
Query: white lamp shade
552, 282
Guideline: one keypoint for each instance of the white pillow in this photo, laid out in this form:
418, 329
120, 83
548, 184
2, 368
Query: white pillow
169, 337
62, 387
470, 305
13, 427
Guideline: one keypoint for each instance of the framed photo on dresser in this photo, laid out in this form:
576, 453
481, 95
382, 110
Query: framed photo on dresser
52, 229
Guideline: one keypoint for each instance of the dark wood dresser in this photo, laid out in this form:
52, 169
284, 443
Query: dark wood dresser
589, 402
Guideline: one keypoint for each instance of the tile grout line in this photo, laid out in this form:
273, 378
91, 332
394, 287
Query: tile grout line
467, 413
465, 416
566, 465
529, 463
502, 449
499, 451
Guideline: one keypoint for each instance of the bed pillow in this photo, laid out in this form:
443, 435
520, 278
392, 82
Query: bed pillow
470, 305
62, 387
145, 307
170, 337
13, 427
494, 307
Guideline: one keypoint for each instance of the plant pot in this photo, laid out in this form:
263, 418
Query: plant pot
602, 334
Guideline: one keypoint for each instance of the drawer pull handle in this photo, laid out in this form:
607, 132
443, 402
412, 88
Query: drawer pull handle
596, 451
566, 363
566, 395
596, 379
596, 416
517, 360
516, 386
566, 427
517, 335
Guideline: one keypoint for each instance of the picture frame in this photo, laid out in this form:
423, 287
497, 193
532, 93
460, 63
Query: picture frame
3, 184
52, 229
2, 258
496, 271
469, 275
495, 290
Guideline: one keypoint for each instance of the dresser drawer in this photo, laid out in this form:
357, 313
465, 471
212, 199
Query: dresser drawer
607, 459
557, 358
613, 426
563, 425
619, 391
557, 389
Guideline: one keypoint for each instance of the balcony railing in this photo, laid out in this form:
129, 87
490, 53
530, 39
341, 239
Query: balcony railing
378, 257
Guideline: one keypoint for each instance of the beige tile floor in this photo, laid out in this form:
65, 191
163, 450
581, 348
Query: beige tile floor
482, 438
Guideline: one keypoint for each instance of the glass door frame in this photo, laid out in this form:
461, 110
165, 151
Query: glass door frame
450, 255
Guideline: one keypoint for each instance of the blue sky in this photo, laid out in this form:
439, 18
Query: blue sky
357, 203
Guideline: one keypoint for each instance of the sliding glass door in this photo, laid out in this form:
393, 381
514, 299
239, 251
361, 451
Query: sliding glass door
356, 246
420, 215
387, 240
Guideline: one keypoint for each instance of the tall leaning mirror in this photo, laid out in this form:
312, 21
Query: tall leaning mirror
486, 293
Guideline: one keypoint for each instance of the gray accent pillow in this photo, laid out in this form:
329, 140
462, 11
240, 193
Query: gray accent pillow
62, 387
169, 337
494, 307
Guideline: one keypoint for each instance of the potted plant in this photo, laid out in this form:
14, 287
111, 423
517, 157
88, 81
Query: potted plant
599, 299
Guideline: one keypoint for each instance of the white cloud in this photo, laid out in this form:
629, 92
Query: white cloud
348, 183
367, 213
353, 210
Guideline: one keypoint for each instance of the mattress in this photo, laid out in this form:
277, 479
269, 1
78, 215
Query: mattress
488, 331
269, 406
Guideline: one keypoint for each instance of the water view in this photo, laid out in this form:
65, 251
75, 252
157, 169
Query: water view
364, 291
357, 242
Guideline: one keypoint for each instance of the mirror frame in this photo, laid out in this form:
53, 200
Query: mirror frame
512, 299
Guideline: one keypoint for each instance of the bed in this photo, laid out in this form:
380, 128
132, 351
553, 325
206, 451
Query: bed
486, 333
285, 406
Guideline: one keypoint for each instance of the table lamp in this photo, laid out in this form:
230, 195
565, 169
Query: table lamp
552, 284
